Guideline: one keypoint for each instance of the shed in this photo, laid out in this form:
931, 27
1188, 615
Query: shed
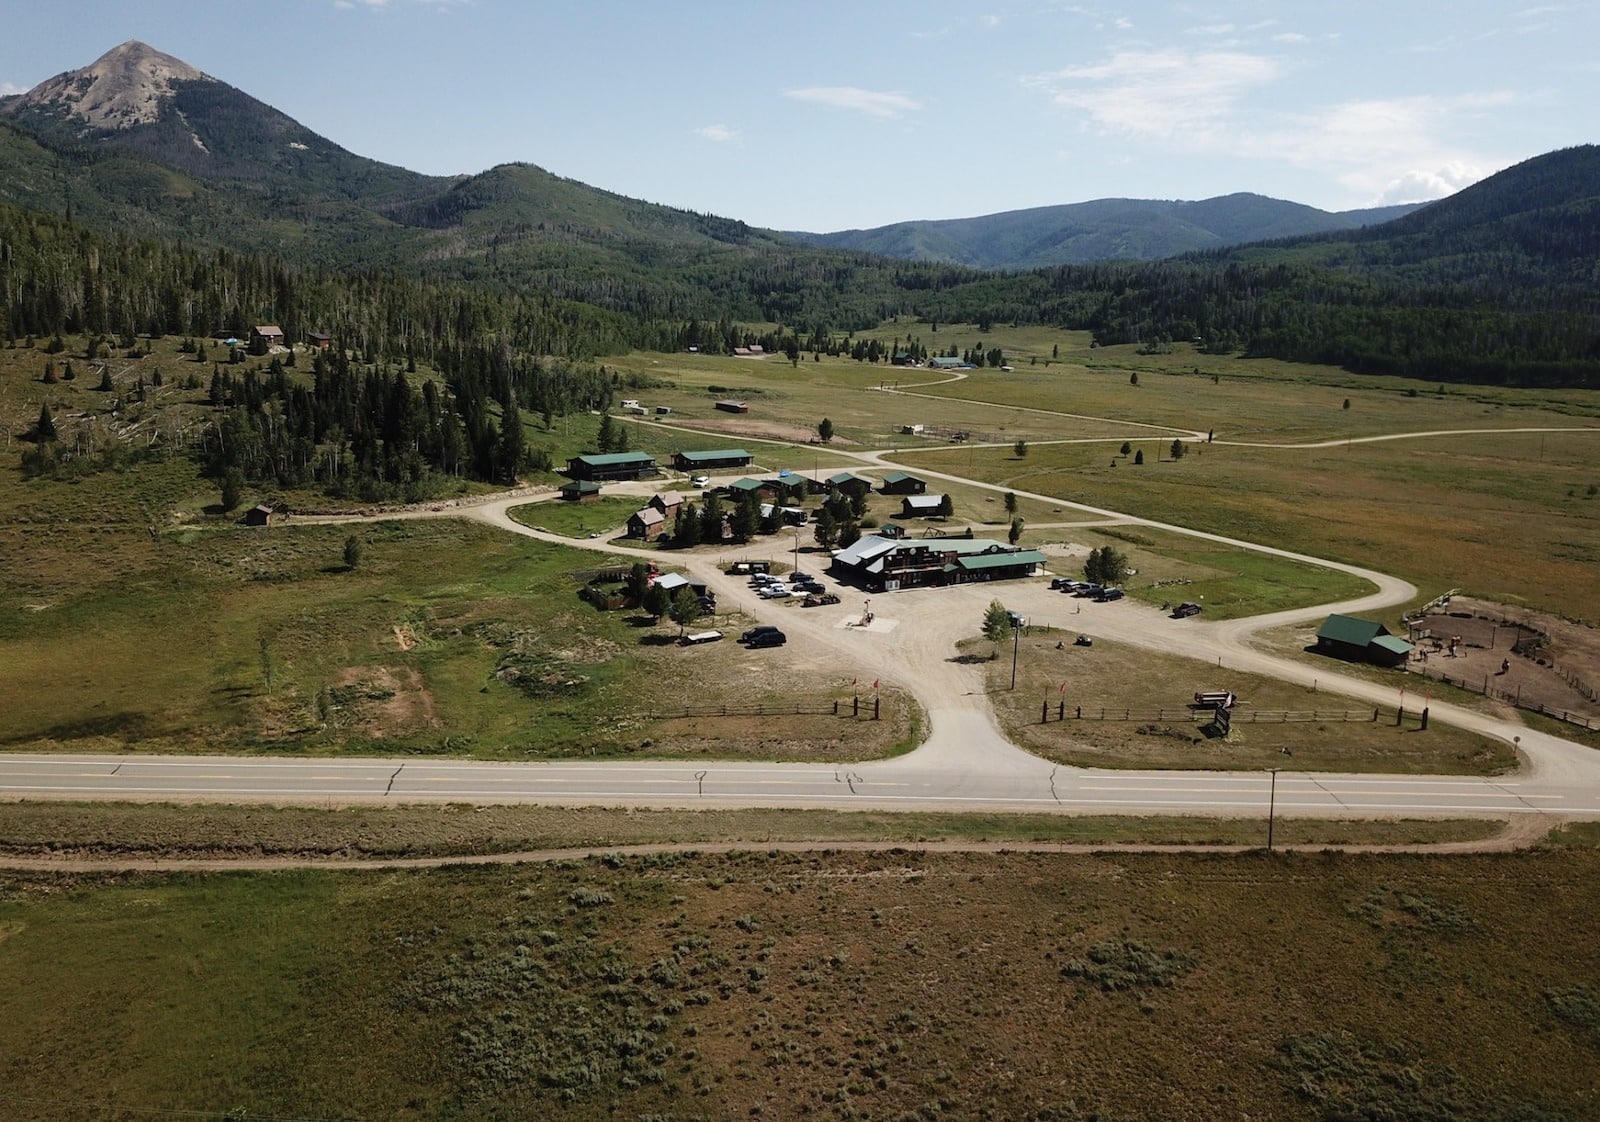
580, 491
258, 515
1361, 640
728, 405
319, 339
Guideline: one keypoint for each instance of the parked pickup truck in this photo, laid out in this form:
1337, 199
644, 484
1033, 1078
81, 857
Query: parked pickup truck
1185, 610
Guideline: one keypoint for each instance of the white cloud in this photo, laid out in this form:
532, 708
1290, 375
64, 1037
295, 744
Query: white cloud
1379, 150
719, 134
990, 20
9, 88
1213, 29
1425, 186
1290, 37
874, 103
1160, 93
1388, 149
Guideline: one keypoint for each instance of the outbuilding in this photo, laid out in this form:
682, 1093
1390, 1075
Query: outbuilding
1361, 640
580, 491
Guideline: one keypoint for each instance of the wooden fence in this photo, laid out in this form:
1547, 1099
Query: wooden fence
1060, 711
854, 707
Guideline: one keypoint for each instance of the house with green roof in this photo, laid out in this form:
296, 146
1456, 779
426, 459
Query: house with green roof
902, 483
712, 460
1361, 640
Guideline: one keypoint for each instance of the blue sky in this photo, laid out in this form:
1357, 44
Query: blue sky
825, 115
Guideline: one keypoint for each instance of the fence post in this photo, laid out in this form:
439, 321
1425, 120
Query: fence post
1080, 712
1061, 710
1399, 715
855, 706
835, 707
876, 701
1424, 725
1044, 712
1374, 714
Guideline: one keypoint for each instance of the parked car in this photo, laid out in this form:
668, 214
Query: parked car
817, 599
1083, 641
1087, 588
774, 591
773, 638
1017, 621
759, 629
699, 481
1107, 594
1058, 584
1185, 610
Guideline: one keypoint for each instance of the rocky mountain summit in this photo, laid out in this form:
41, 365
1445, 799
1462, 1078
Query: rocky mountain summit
125, 87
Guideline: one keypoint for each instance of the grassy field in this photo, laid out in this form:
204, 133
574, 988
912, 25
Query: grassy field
1114, 677
881, 985
162, 830
1483, 513
578, 520
449, 637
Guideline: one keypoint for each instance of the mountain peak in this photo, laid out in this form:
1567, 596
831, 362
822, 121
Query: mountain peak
124, 87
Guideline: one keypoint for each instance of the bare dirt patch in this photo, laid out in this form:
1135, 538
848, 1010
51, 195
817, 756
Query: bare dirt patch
383, 700
1532, 659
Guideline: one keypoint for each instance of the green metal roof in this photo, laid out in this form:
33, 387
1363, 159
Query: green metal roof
1393, 644
746, 484
1001, 560
612, 459
901, 477
721, 454
1349, 629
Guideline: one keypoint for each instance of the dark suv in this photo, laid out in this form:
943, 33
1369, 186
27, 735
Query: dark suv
768, 637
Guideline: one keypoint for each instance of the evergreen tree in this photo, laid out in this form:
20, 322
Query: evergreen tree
683, 608
352, 552
638, 582
605, 439
45, 430
1015, 533
827, 529
711, 519
825, 430
996, 624
656, 602
947, 506
1011, 502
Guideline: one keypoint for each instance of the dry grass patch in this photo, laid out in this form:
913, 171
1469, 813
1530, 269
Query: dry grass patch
1113, 677
148, 830
893, 985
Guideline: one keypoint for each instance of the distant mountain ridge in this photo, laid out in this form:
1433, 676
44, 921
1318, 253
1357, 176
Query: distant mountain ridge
1100, 230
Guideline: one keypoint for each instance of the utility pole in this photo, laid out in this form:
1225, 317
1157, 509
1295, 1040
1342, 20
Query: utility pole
1016, 641
1272, 807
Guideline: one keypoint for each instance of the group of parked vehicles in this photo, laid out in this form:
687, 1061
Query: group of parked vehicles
1087, 590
